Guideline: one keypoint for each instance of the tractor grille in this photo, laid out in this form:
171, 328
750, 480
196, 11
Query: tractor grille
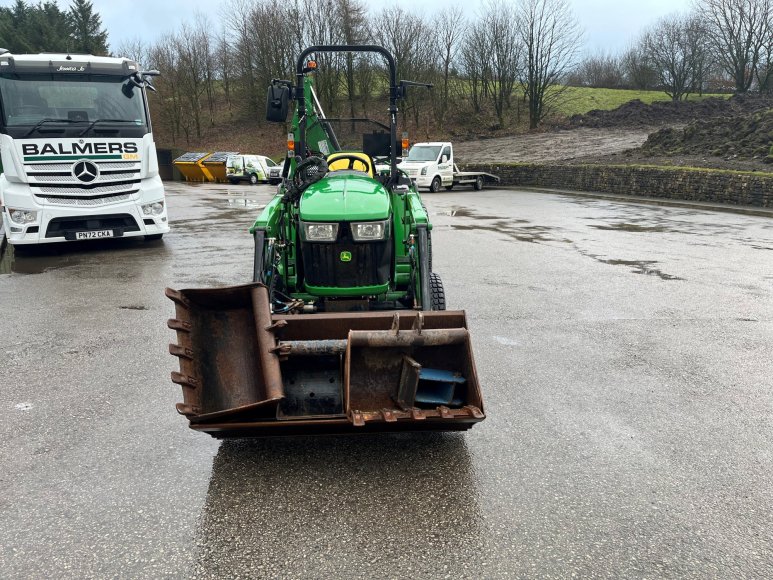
369, 266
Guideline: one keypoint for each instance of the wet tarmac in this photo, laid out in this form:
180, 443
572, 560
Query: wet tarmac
624, 351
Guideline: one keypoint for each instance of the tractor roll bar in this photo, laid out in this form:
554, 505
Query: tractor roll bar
393, 94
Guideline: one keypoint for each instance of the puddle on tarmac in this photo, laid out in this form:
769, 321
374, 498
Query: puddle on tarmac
532, 234
42, 258
239, 200
34, 261
629, 227
466, 212
637, 266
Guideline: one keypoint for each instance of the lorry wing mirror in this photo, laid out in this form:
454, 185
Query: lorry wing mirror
277, 103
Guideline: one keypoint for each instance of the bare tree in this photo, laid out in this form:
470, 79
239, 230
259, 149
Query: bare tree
448, 25
503, 54
135, 49
474, 67
405, 36
740, 30
551, 38
600, 70
637, 69
676, 52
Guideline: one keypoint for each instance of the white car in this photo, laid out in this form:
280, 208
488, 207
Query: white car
275, 172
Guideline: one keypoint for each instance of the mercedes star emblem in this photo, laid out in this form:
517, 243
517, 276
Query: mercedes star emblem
85, 171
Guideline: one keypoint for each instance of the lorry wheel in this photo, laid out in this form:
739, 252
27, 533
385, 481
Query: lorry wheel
253, 179
434, 187
478, 185
437, 292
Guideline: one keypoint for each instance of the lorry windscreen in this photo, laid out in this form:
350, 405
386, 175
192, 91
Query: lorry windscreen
423, 153
78, 100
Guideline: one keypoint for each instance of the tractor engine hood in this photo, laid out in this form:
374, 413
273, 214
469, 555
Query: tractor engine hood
347, 197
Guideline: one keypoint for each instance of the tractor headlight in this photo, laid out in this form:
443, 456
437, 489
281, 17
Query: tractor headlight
320, 232
369, 231
23, 216
156, 208
424, 170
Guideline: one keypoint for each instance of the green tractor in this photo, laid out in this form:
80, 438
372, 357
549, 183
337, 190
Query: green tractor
344, 327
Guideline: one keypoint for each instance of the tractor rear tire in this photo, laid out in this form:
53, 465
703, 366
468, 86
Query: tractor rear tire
438, 295
434, 187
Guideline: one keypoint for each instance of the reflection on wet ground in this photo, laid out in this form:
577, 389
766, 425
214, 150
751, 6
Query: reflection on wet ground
615, 217
531, 234
41, 258
629, 227
364, 506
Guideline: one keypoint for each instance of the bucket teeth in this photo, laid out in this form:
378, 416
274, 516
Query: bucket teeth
176, 297
179, 325
180, 352
184, 380
357, 418
187, 410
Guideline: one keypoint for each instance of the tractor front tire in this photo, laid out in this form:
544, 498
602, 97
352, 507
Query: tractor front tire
438, 295
434, 187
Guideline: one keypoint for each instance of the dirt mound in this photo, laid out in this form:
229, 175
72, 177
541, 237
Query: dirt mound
638, 114
740, 136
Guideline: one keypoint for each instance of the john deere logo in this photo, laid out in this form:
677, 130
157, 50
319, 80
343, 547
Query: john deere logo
346, 256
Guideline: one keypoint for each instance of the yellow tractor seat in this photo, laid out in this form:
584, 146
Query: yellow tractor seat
350, 160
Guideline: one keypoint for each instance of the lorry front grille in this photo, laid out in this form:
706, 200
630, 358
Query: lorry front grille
65, 227
370, 262
54, 183
84, 201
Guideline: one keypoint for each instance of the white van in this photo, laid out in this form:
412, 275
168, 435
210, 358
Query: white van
252, 168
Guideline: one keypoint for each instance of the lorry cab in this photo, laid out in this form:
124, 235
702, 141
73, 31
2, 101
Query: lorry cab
252, 168
430, 165
77, 155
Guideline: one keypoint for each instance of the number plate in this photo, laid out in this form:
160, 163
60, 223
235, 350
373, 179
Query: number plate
93, 235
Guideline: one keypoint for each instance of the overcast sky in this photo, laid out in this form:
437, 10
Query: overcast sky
609, 24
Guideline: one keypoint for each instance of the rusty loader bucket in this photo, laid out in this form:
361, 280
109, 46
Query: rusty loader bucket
245, 372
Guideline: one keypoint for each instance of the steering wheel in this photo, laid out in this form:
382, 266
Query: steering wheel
352, 159
309, 171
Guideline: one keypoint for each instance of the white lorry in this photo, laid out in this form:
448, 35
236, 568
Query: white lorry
77, 152
431, 165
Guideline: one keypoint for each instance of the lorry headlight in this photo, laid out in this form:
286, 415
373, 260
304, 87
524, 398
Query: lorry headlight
369, 231
156, 208
23, 216
424, 171
320, 232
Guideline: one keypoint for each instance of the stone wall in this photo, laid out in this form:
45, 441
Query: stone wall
730, 187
